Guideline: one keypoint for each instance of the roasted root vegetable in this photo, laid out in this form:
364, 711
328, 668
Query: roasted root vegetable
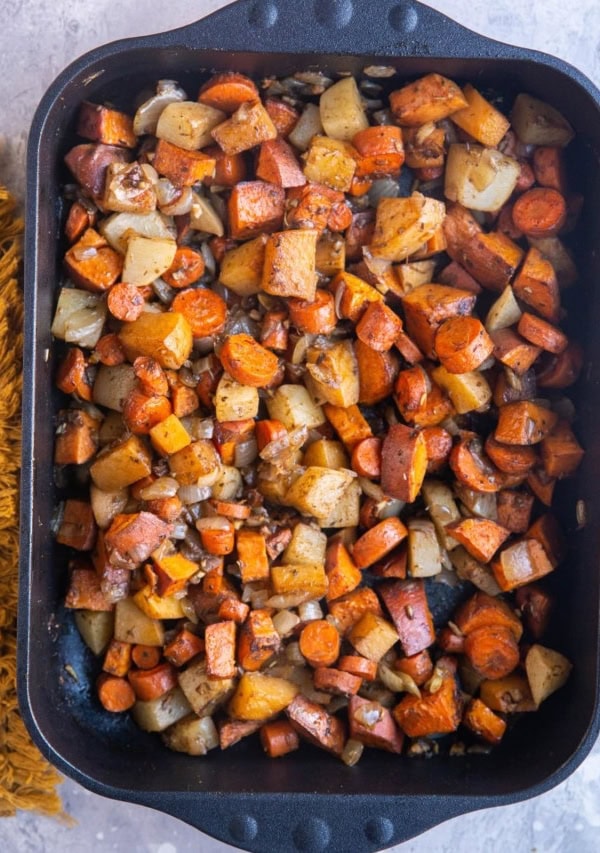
297, 398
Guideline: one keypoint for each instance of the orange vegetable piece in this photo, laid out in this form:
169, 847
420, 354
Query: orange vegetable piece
232, 731
428, 306
106, 125
513, 351
456, 276
92, 264
109, 351
150, 375
514, 510
268, 431
432, 713
141, 411
378, 541
342, 572
227, 91
536, 285
231, 608
255, 207
336, 682
407, 348
509, 695
406, 602
549, 168
278, 738
125, 302
145, 657
187, 267
231, 509
132, 537
219, 537
449, 642
366, 458
184, 400
562, 371
258, 641
169, 509
472, 467
542, 333
349, 608
438, 443
520, 564
181, 166
492, 651
317, 726
541, 485
511, 458
355, 297
84, 591
283, 115
561, 452
219, 639
319, 643
183, 647
230, 169
392, 566
548, 533
483, 722
376, 373
79, 219
349, 423
274, 331
151, 683
379, 326
524, 422
403, 462
115, 693
419, 666
71, 377
540, 212
359, 666
480, 536
278, 164
77, 440
381, 151
204, 310
536, 605
428, 99
316, 317
247, 361
78, 526
483, 610
462, 344
117, 658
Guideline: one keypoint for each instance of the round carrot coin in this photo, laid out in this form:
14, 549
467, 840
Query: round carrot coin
125, 302
540, 212
204, 310
319, 643
187, 267
248, 362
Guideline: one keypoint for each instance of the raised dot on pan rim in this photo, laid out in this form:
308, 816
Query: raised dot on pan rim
333, 13
313, 834
243, 827
379, 830
403, 18
263, 14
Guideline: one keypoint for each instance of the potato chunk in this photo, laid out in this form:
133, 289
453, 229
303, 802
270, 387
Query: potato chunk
318, 490
166, 337
290, 264
341, 110
259, 697
402, 225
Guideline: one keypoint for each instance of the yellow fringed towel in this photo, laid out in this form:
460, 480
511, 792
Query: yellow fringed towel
27, 781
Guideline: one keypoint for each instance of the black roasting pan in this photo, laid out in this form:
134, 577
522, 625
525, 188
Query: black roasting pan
308, 801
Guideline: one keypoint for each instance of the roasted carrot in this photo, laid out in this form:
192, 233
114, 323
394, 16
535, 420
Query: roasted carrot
511, 458
319, 643
274, 332
183, 647
317, 317
438, 443
232, 731
219, 639
169, 509
403, 462
450, 642
372, 724
79, 219
508, 695
150, 375
227, 90
231, 608
406, 602
562, 371
336, 681
428, 99
472, 467
542, 334
71, 376
378, 541
349, 423
125, 302
353, 295
204, 310
483, 610
255, 207
141, 411
115, 693
78, 527
283, 116
360, 667
247, 361
505, 224
428, 306
151, 683
231, 509
483, 722
229, 170
84, 591
549, 534
278, 738
268, 431
187, 267
542, 485
109, 351
132, 537
540, 212
462, 344
431, 713
252, 555
184, 400
549, 168
366, 457
376, 373
217, 535
380, 149
379, 326
394, 565
258, 641
513, 351
407, 348
145, 657
342, 572
492, 651
480, 536
182, 167
418, 666
117, 658
77, 438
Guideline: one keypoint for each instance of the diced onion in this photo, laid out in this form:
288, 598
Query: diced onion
309, 611
245, 453
164, 487
368, 715
399, 682
179, 530
193, 494
285, 621
352, 752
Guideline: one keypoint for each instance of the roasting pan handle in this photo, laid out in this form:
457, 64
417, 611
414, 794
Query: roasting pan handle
307, 823
395, 28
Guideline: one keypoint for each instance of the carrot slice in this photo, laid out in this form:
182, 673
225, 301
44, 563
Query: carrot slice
204, 310
248, 362
227, 91
109, 351
278, 738
513, 459
462, 344
480, 536
549, 168
336, 681
379, 327
483, 722
419, 666
366, 457
492, 651
317, 317
542, 334
115, 693
125, 302
141, 412
71, 377
145, 657
149, 684
150, 375
359, 666
187, 267
540, 212
320, 643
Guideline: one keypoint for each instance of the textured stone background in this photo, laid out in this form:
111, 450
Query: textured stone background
38, 38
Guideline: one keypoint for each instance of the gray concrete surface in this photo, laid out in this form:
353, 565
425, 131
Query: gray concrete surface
37, 39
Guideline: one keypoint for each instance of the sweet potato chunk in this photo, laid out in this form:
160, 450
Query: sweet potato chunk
431, 713
427, 99
92, 263
480, 536
220, 650
289, 266
403, 462
349, 608
520, 564
372, 724
132, 537
524, 423
561, 452
514, 510
249, 125
277, 164
84, 591
376, 373
259, 697
182, 167
313, 723
483, 722
492, 651
88, 164
77, 438
406, 602
105, 125
462, 344
78, 527
255, 207
537, 285
428, 306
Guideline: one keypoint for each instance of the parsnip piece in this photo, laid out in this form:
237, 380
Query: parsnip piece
188, 124
402, 225
341, 110
147, 258
479, 178
442, 509
292, 405
424, 555
546, 670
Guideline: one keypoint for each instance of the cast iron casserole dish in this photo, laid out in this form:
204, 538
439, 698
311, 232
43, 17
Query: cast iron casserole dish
309, 801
